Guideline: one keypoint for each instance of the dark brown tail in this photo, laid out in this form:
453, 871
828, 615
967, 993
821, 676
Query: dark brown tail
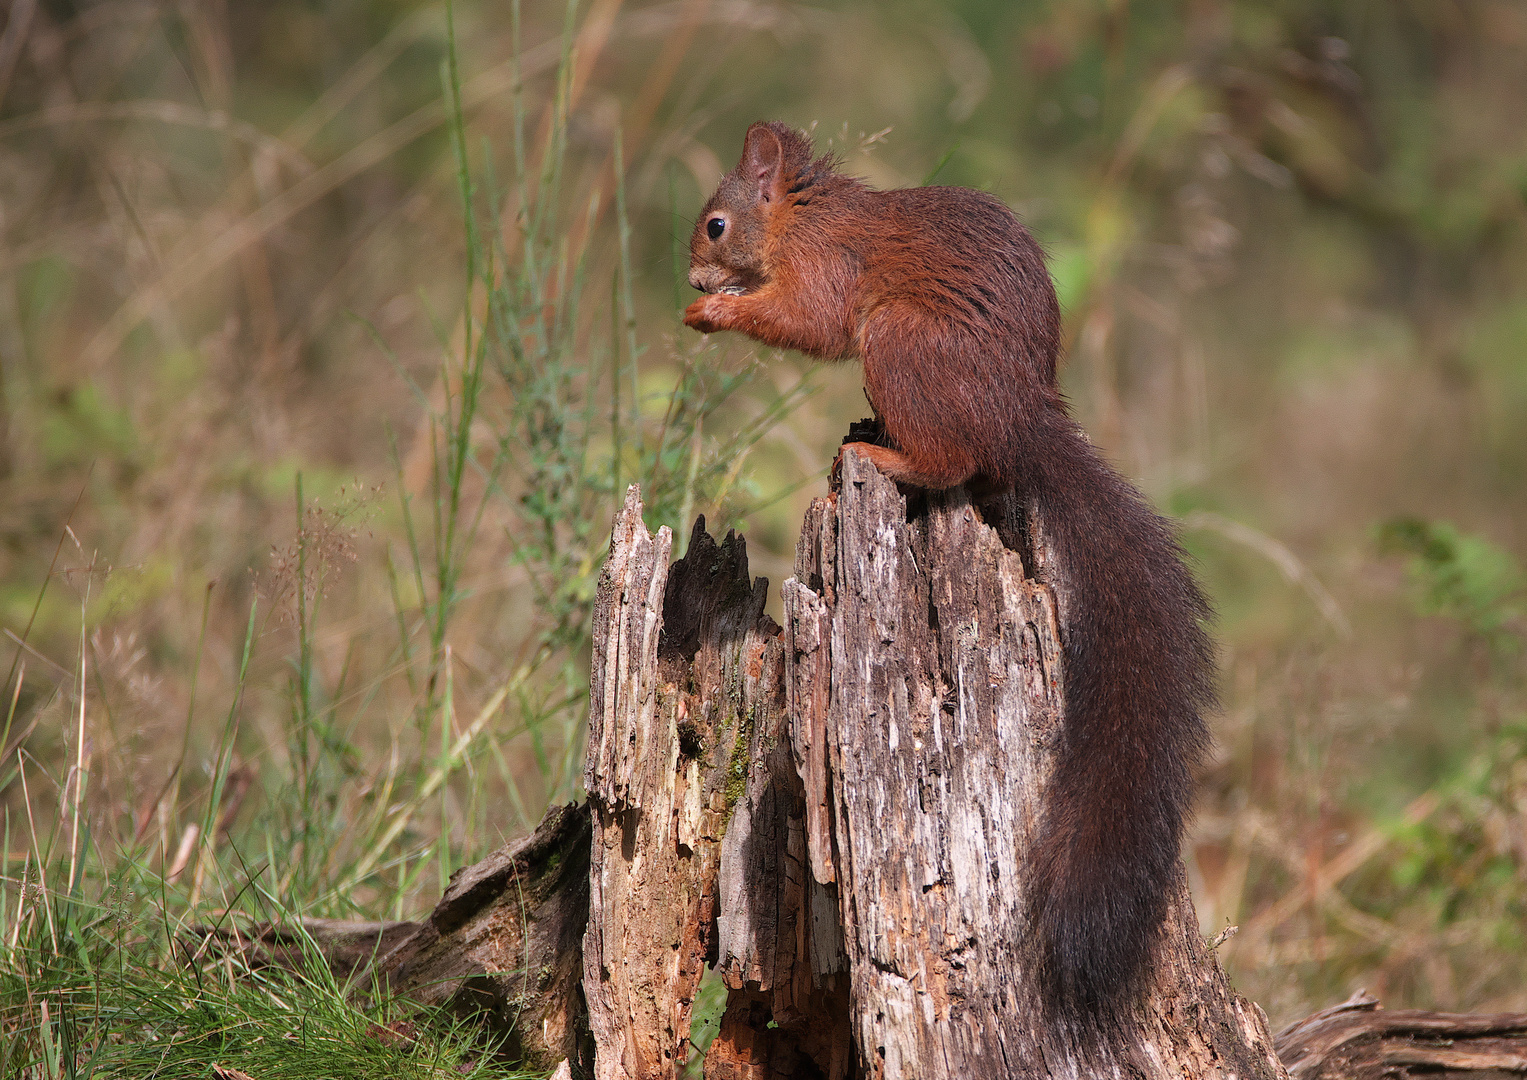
1139, 672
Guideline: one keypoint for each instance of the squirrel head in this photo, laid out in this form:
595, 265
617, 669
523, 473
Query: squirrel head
726, 252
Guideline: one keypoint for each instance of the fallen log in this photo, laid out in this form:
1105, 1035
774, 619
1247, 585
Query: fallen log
1360, 1040
501, 947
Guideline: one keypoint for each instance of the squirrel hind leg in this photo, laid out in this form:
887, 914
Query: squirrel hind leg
901, 468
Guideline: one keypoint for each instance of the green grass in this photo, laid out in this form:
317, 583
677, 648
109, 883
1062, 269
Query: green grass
85, 995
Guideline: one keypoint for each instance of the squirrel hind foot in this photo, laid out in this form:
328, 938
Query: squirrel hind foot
901, 468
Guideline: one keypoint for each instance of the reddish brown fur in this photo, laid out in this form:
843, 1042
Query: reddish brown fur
944, 296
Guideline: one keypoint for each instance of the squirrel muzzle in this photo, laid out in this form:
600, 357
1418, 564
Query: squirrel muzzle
710, 278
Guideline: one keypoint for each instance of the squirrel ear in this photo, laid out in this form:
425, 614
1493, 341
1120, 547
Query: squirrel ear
763, 162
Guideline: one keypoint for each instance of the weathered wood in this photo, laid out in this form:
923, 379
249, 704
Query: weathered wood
1359, 1040
502, 945
924, 674
779, 946
346, 945
676, 673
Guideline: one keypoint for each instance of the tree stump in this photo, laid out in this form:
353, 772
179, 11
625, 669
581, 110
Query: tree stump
923, 674
836, 816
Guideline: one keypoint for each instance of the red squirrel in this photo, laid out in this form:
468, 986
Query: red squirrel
944, 296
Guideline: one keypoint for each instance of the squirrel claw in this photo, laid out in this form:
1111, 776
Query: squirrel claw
835, 474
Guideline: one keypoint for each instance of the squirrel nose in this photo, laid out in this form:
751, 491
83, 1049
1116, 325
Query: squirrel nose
697, 279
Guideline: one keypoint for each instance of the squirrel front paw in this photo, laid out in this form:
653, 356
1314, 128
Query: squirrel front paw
709, 313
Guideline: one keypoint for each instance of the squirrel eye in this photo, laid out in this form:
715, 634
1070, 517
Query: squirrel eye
715, 227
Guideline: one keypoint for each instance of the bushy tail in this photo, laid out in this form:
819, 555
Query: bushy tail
1139, 672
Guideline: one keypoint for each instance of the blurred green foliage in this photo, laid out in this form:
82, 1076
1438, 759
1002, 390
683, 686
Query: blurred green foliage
1460, 577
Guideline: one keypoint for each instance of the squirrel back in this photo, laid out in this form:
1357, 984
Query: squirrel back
944, 296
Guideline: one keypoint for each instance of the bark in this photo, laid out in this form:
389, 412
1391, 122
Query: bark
677, 690
345, 945
923, 673
1359, 1040
502, 945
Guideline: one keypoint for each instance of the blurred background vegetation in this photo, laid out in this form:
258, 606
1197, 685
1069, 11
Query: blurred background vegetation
324, 361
